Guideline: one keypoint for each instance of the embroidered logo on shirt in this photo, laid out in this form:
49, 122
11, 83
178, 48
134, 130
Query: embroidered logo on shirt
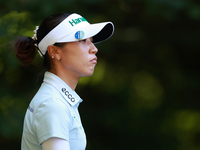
68, 94
31, 109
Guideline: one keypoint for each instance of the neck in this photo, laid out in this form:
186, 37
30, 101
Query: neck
70, 80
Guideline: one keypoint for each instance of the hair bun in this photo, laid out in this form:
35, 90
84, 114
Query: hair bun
25, 49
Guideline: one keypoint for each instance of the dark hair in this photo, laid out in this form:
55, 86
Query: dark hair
24, 46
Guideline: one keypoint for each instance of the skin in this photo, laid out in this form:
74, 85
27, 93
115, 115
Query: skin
55, 144
73, 61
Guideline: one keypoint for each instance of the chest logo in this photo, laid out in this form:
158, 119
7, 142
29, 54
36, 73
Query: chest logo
72, 99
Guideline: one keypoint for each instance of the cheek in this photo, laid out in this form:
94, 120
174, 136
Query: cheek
74, 61
76, 58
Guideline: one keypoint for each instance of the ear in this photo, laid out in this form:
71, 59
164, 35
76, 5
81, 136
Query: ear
53, 51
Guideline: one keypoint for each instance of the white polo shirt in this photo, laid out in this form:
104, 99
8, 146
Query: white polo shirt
53, 112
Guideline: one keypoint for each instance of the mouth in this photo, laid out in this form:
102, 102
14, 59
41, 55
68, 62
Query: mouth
94, 60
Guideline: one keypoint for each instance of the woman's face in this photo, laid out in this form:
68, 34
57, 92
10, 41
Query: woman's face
79, 58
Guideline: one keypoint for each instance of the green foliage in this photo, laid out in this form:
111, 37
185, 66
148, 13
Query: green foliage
144, 93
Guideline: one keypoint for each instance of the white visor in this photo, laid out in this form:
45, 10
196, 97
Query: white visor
75, 28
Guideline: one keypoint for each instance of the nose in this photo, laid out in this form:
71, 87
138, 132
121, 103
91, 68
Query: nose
93, 49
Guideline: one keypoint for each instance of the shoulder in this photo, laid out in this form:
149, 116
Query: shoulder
47, 96
53, 105
52, 111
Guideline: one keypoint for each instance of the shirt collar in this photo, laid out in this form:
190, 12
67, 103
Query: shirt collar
69, 95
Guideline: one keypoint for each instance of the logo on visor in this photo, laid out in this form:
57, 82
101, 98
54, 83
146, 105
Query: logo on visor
77, 21
79, 35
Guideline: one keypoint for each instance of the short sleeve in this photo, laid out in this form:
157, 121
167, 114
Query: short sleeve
52, 119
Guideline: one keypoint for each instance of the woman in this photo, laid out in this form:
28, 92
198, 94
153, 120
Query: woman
66, 43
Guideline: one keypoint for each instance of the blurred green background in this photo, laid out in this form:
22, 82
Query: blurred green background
144, 94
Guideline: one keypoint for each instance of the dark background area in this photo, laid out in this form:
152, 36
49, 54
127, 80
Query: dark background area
144, 93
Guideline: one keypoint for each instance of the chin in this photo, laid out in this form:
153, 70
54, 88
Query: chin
88, 74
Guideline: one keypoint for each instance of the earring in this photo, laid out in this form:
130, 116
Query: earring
58, 58
52, 57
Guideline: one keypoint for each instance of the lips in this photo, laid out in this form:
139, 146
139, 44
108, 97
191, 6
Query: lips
94, 60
